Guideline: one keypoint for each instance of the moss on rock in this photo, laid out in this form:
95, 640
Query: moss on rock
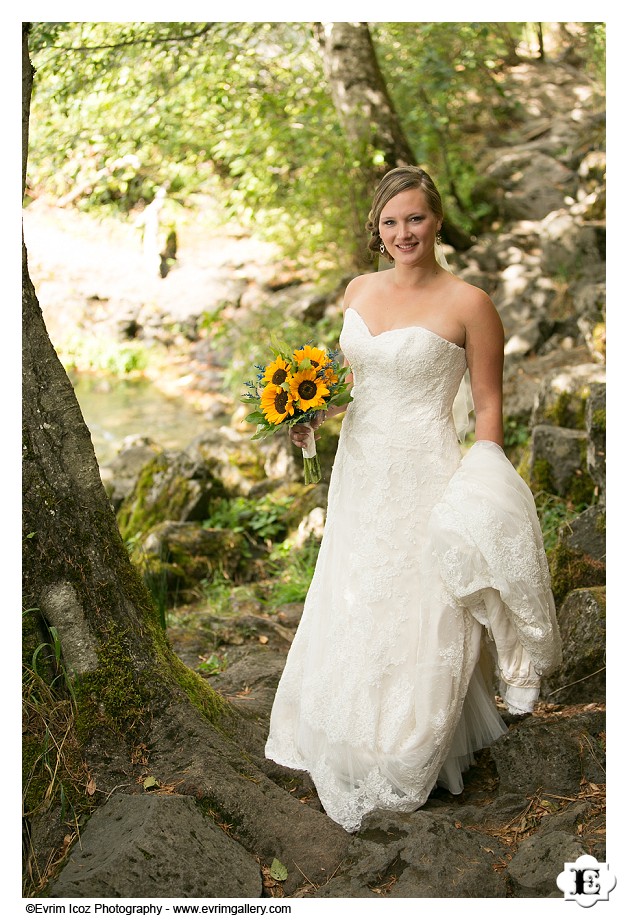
571, 569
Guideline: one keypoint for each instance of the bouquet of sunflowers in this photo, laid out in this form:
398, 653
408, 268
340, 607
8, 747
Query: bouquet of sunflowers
291, 389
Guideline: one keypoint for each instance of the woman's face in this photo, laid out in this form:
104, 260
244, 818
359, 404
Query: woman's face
408, 227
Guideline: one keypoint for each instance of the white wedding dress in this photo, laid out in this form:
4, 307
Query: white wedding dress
428, 562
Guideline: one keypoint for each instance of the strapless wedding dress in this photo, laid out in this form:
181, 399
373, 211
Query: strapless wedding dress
431, 565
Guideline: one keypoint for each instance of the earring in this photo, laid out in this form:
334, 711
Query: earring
439, 239
382, 248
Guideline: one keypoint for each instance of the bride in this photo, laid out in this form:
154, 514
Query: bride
431, 576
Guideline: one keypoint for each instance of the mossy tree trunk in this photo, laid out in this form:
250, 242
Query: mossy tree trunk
137, 708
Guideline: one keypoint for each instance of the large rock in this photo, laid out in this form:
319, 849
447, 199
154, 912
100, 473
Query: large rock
558, 463
585, 535
564, 393
551, 755
231, 456
420, 855
156, 846
173, 486
539, 860
570, 248
121, 476
579, 557
582, 675
589, 305
524, 184
184, 554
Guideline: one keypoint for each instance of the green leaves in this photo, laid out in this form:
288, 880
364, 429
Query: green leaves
242, 110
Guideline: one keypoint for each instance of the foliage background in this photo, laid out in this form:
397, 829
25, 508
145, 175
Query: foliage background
242, 111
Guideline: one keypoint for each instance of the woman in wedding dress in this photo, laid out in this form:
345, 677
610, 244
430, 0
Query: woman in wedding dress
431, 576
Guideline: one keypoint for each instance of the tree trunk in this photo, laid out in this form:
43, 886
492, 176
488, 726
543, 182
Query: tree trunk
366, 113
132, 694
361, 98
368, 117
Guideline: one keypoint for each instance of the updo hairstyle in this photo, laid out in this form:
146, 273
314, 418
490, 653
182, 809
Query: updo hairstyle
395, 181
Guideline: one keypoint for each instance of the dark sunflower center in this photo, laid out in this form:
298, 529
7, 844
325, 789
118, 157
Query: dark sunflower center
281, 400
307, 389
279, 376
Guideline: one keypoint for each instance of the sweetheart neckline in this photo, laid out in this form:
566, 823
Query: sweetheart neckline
402, 329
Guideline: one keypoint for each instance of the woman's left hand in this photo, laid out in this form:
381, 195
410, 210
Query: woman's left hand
299, 433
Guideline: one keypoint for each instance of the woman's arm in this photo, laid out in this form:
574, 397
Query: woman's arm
484, 346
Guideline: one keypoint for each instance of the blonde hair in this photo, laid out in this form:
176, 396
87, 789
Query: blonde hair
395, 181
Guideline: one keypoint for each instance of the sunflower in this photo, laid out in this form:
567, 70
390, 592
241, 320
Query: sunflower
277, 372
276, 404
329, 374
316, 356
307, 390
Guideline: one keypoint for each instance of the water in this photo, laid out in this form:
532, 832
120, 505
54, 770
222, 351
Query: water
113, 409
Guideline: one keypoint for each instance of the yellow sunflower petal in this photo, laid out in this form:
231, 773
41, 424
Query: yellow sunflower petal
276, 372
276, 404
307, 390
316, 356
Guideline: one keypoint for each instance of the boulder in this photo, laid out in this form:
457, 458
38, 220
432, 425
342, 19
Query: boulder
596, 431
558, 463
578, 558
156, 846
538, 862
420, 855
184, 554
570, 248
581, 678
121, 475
173, 486
524, 183
231, 457
562, 398
551, 755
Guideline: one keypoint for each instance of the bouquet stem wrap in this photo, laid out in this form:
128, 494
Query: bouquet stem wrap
311, 463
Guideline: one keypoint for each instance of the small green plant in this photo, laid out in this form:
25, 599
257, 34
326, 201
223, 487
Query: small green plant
291, 570
218, 591
214, 664
53, 770
105, 355
50, 656
259, 519
554, 512
516, 434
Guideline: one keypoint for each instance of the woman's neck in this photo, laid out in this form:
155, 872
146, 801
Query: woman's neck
408, 276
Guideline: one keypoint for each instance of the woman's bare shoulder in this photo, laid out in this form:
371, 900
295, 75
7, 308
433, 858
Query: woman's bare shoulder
471, 300
356, 286
478, 314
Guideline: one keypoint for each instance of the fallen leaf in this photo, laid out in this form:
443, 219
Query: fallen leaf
263, 640
278, 871
91, 787
150, 783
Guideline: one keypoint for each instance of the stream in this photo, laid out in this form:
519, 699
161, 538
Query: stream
115, 408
